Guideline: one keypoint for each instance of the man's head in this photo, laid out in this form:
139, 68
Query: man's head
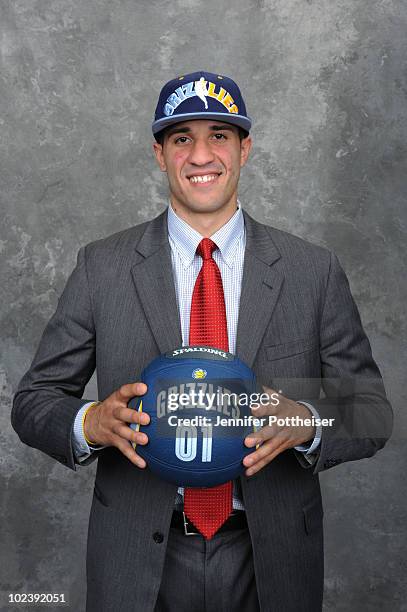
202, 140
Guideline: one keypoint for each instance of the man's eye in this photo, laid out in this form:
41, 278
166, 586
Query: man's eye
219, 134
181, 139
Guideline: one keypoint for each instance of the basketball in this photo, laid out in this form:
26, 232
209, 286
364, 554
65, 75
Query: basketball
198, 400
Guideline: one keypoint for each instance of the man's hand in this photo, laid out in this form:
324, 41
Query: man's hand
106, 423
274, 439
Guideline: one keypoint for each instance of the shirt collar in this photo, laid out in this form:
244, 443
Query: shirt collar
186, 239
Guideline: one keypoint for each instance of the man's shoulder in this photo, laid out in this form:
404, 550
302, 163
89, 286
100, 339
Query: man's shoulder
288, 242
291, 247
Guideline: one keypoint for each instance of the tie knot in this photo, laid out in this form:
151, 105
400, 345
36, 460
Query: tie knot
205, 248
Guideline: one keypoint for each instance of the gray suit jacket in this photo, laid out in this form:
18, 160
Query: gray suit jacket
299, 330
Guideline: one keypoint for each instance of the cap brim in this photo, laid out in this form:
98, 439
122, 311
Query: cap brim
239, 120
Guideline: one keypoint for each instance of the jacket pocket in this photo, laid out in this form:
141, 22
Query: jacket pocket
313, 516
292, 348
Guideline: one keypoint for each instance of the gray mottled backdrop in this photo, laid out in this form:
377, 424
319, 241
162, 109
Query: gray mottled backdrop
326, 84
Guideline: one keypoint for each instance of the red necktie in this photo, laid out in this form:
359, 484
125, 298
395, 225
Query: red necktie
208, 508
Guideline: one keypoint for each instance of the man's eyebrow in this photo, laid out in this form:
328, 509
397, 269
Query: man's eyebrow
227, 126
186, 129
177, 130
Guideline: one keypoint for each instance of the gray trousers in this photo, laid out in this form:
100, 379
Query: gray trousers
214, 575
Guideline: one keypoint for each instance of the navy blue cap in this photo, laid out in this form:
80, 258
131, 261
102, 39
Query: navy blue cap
200, 95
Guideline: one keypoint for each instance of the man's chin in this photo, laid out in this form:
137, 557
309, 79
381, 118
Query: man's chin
206, 205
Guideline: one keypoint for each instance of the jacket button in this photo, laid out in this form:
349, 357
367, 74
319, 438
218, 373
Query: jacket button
158, 537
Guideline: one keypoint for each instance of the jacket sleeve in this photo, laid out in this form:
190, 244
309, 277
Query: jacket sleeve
49, 395
351, 381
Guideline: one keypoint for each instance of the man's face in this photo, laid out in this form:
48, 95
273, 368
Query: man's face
202, 159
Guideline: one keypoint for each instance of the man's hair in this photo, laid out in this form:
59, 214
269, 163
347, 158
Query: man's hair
160, 135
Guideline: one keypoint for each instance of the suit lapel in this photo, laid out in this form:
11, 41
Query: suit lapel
154, 282
261, 285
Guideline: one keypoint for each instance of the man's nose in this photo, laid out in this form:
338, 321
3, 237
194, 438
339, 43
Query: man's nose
201, 153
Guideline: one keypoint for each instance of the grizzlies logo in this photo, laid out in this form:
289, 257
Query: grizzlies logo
199, 373
203, 90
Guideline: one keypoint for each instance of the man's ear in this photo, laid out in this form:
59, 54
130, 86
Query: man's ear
158, 151
245, 147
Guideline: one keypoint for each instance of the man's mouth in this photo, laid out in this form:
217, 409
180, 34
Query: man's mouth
203, 178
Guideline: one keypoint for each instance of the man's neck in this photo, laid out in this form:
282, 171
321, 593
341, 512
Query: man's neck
206, 224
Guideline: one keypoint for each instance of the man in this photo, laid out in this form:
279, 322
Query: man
290, 316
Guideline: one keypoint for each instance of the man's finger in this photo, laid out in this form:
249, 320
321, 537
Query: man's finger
257, 437
126, 392
124, 431
269, 449
128, 415
128, 451
261, 452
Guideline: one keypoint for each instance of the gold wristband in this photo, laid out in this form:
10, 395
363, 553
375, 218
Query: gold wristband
83, 424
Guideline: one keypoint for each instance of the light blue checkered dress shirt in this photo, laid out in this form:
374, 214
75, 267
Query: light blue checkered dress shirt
186, 264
